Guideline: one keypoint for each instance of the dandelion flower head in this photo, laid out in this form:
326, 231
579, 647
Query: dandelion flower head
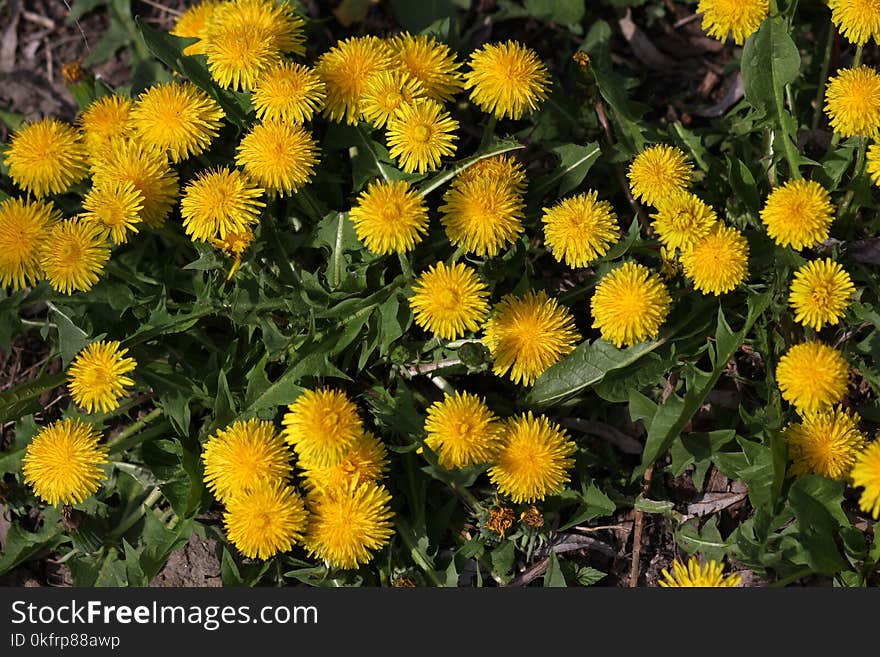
98, 376
63, 462
811, 376
526, 335
826, 443
580, 229
46, 157
534, 459
390, 217
820, 293
629, 305
462, 430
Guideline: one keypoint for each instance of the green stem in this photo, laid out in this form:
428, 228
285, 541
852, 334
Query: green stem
135, 427
132, 518
456, 256
857, 60
421, 559
785, 581
405, 266
488, 132
846, 208
823, 76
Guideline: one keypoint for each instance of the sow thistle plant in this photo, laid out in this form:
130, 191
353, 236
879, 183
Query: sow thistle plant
362, 311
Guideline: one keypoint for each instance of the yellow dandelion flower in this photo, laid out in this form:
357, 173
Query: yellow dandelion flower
234, 245
73, 256
462, 431
449, 301
852, 102
390, 217
243, 454
246, 38
580, 229
629, 305
866, 474
385, 93
63, 462
322, 425
798, 214
820, 293
658, 171
348, 523
695, 574
873, 163
289, 92
682, 219
23, 227
534, 459
115, 207
192, 24
429, 61
145, 168
500, 169
811, 376
718, 262
825, 443
97, 378
238, 55
739, 18
419, 134
365, 461
267, 519
279, 156
177, 117
106, 119
507, 79
482, 215
856, 20
346, 69
219, 201
528, 334
46, 157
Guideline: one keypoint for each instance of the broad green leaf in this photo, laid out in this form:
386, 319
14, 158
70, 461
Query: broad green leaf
22, 545
574, 164
670, 418
71, 338
816, 505
24, 398
554, 577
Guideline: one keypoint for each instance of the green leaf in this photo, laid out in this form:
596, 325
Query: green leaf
574, 164
816, 505
612, 87
561, 12
706, 541
554, 577
770, 60
71, 338
502, 559
587, 576
589, 364
670, 418
25, 398
594, 504
10, 458
416, 16
22, 545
